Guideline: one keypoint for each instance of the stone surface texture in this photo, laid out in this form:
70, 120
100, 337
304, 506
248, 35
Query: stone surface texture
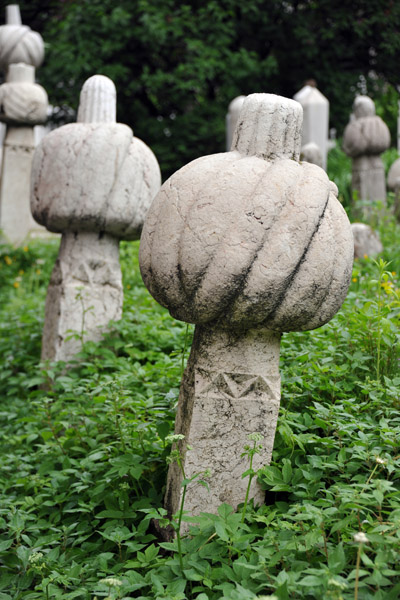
364, 139
232, 117
21, 99
393, 175
22, 104
18, 43
316, 118
93, 182
245, 244
312, 154
366, 241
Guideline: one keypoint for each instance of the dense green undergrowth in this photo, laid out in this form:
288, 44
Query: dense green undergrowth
83, 462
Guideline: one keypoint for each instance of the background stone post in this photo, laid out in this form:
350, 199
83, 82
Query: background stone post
246, 244
232, 116
364, 139
23, 104
316, 118
92, 181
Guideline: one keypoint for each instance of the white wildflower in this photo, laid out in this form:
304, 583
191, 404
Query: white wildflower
111, 581
360, 538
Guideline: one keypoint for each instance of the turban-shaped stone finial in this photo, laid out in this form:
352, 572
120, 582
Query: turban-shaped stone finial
21, 99
250, 237
18, 43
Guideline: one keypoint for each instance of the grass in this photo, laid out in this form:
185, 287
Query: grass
83, 464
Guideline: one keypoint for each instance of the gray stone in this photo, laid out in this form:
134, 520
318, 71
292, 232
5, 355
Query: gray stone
366, 241
22, 104
245, 244
312, 154
232, 117
364, 139
18, 43
393, 175
316, 118
93, 182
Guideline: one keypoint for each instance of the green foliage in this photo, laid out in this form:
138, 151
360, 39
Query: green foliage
177, 65
83, 461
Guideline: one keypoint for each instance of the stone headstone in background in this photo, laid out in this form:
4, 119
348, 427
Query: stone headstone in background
92, 181
23, 104
312, 154
366, 241
393, 175
364, 139
315, 118
393, 183
232, 116
245, 249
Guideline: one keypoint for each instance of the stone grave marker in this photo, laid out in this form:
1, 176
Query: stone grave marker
366, 241
92, 181
312, 154
316, 118
23, 104
245, 244
366, 136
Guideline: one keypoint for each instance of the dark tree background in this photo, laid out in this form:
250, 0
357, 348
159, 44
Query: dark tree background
177, 65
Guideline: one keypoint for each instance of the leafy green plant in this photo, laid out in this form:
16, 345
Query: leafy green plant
83, 464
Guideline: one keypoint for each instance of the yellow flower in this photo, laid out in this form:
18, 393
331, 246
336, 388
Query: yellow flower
365, 255
25, 248
21, 272
8, 260
16, 284
38, 271
394, 273
387, 286
128, 287
354, 279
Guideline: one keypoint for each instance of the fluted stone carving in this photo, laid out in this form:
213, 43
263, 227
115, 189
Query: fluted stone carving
232, 117
245, 244
315, 119
364, 139
92, 181
311, 153
22, 101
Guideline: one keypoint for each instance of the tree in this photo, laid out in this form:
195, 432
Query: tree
177, 65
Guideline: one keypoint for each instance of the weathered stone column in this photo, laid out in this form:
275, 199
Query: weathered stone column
23, 104
316, 118
92, 181
231, 388
364, 139
246, 244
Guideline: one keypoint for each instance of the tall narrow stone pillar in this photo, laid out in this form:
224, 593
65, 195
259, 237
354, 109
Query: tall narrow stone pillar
364, 139
22, 104
316, 118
